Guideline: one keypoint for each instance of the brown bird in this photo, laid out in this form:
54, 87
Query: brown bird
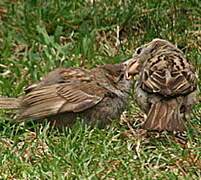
166, 88
96, 96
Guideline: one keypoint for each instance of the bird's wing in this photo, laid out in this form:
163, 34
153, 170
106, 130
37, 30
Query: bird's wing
168, 75
66, 94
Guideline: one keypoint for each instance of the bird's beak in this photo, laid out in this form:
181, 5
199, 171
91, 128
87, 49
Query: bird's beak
132, 68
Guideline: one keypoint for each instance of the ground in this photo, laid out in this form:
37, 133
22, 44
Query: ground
37, 36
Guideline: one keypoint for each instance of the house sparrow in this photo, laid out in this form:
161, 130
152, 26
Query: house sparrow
166, 88
96, 96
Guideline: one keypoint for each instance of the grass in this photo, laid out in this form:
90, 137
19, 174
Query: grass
37, 36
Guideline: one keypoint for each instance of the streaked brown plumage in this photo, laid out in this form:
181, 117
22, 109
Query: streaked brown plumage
166, 89
97, 96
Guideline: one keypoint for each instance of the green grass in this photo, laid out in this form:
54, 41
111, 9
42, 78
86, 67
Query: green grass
36, 36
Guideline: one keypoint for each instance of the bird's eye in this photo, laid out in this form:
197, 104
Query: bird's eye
139, 50
121, 76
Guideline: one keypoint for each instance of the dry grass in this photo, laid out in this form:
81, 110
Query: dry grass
37, 36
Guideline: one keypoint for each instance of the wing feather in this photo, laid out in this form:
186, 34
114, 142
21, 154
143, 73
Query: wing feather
170, 76
67, 96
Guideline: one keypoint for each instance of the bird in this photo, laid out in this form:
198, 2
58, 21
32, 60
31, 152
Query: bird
166, 87
97, 96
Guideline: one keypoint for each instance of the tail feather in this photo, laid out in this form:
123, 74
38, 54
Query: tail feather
164, 115
9, 103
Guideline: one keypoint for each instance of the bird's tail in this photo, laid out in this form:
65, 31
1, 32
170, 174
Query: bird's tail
165, 115
9, 103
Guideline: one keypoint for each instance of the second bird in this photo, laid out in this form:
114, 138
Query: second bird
166, 88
